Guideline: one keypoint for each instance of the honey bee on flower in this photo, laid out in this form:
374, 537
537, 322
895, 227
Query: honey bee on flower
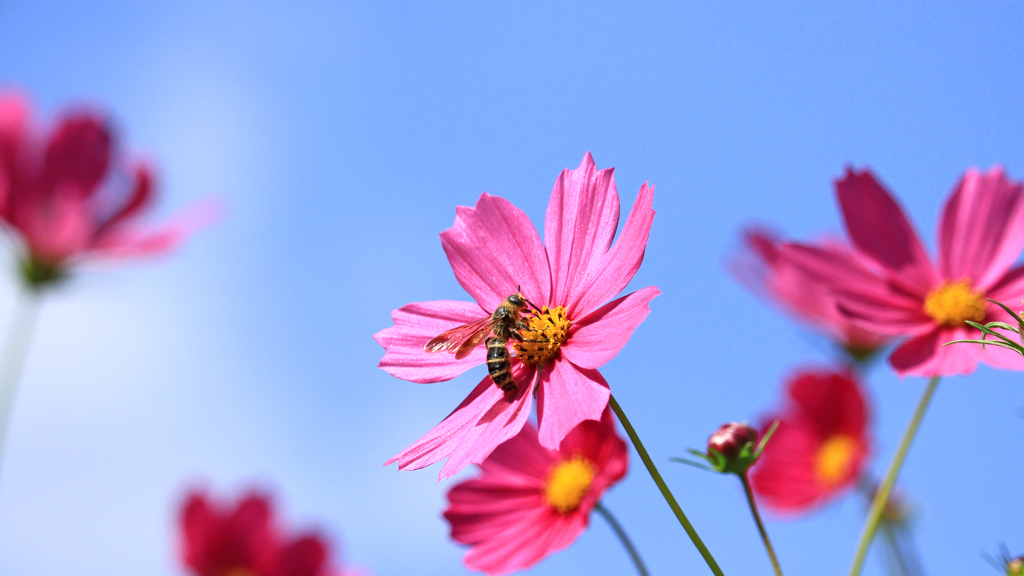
573, 276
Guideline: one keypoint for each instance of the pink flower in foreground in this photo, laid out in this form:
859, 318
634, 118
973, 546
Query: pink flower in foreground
766, 268
493, 249
531, 501
821, 445
67, 194
245, 540
893, 288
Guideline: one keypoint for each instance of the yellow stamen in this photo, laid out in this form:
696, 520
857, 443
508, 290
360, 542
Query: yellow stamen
544, 334
568, 483
951, 303
835, 458
240, 571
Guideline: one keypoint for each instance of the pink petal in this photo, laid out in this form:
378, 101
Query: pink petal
783, 477
78, 153
520, 547
1010, 288
926, 356
494, 249
982, 229
522, 456
858, 293
14, 114
414, 325
829, 402
879, 229
614, 271
139, 198
129, 241
484, 420
568, 395
765, 269
582, 216
599, 336
59, 230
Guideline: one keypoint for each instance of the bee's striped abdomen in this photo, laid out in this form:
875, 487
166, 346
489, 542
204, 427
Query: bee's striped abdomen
499, 365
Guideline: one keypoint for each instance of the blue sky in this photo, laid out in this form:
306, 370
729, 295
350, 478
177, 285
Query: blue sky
343, 135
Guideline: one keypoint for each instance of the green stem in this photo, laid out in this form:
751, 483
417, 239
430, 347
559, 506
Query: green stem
12, 357
623, 537
760, 525
664, 488
882, 495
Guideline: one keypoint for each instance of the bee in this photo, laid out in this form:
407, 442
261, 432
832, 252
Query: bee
504, 323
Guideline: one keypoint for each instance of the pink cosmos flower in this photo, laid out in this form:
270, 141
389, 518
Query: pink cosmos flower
766, 268
494, 249
67, 194
531, 501
821, 445
893, 288
245, 540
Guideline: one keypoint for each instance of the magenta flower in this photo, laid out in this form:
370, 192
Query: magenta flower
67, 194
893, 288
494, 249
768, 269
531, 501
245, 539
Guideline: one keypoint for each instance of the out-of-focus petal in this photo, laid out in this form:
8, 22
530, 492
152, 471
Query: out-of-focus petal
982, 228
521, 460
14, 115
61, 230
879, 229
1010, 288
494, 249
783, 478
414, 325
582, 216
568, 395
765, 268
830, 402
78, 154
130, 241
614, 271
138, 199
599, 336
305, 556
485, 419
924, 355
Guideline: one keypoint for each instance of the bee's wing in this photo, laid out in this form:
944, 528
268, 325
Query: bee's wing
456, 339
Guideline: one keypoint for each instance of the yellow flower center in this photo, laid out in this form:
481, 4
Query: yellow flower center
543, 335
240, 571
834, 459
951, 303
568, 483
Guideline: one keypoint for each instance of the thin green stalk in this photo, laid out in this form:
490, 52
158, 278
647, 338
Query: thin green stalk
624, 538
12, 356
882, 495
760, 525
664, 488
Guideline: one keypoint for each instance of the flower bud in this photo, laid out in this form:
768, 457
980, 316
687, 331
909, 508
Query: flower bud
732, 447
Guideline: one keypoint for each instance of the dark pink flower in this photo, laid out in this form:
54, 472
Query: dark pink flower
766, 268
244, 540
68, 194
530, 501
821, 445
893, 288
494, 249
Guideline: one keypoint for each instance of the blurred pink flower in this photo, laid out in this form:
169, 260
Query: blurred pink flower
766, 268
821, 445
531, 501
245, 540
892, 287
493, 249
68, 194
